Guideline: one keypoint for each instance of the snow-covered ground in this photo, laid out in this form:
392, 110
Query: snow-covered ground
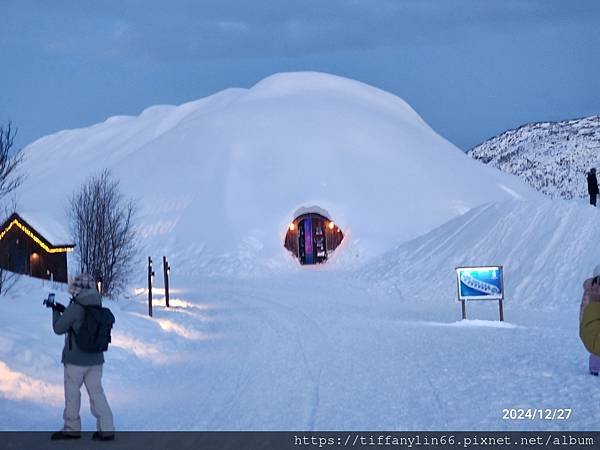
327, 349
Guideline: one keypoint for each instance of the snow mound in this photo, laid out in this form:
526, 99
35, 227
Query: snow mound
547, 248
218, 180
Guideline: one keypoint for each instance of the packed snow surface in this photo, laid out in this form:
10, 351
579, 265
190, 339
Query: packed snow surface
325, 350
218, 180
381, 347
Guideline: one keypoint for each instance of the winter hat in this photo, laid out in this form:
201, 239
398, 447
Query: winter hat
86, 281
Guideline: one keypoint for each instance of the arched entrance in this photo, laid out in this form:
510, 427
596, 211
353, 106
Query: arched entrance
312, 237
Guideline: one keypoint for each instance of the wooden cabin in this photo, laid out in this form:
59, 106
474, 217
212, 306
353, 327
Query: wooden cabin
312, 237
34, 246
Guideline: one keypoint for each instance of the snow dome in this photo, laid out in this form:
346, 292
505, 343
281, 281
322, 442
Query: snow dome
222, 180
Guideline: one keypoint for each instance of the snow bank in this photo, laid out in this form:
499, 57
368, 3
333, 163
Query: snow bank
548, 248
219, 179
471, 323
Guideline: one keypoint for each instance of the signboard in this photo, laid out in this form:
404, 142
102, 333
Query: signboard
480, 283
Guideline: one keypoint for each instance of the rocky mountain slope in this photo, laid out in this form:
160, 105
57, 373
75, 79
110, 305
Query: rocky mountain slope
553, 157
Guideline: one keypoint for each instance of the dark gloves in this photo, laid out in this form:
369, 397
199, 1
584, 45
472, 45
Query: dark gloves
58, 308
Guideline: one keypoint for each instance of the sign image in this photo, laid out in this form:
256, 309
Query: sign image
480, 283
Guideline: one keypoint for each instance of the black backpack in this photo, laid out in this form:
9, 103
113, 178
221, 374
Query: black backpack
94, 334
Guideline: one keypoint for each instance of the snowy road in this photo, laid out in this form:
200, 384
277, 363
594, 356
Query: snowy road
313, 350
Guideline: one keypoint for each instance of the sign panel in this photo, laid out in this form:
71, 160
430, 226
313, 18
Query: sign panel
480, 283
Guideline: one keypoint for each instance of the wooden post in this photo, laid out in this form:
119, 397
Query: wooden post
501, 310
166, 273
464, 309
150, 275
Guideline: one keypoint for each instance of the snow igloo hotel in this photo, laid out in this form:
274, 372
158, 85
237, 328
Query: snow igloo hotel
300, 169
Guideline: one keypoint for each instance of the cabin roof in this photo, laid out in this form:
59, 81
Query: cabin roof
49, 232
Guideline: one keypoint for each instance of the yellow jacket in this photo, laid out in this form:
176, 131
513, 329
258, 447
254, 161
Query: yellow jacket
589, 328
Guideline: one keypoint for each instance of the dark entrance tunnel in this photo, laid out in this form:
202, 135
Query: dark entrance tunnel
312, 238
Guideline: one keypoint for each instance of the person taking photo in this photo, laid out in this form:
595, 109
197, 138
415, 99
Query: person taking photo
83, 357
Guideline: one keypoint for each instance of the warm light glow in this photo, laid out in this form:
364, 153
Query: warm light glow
157, 291
292, 227
34, 256
37, 240
181, 331
19, 386
142, 349
331, 225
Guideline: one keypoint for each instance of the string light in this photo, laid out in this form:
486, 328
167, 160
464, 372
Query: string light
32, 235
292, 227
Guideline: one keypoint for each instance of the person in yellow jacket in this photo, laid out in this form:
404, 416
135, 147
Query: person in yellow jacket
591, 293
589, 325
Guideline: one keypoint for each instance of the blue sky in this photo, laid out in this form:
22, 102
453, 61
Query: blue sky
471, 68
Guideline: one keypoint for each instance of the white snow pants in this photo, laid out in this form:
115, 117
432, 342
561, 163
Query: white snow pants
75, 376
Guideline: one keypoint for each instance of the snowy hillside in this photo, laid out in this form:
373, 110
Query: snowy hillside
552, 157
220, 179
547, 249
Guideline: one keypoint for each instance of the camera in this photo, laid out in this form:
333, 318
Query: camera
49, 302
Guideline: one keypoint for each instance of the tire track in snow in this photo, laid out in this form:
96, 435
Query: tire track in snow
315, 376
409, 354
270, 330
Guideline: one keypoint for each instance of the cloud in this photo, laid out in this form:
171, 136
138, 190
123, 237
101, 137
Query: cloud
186, 30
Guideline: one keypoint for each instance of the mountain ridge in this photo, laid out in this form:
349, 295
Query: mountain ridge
552, 157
